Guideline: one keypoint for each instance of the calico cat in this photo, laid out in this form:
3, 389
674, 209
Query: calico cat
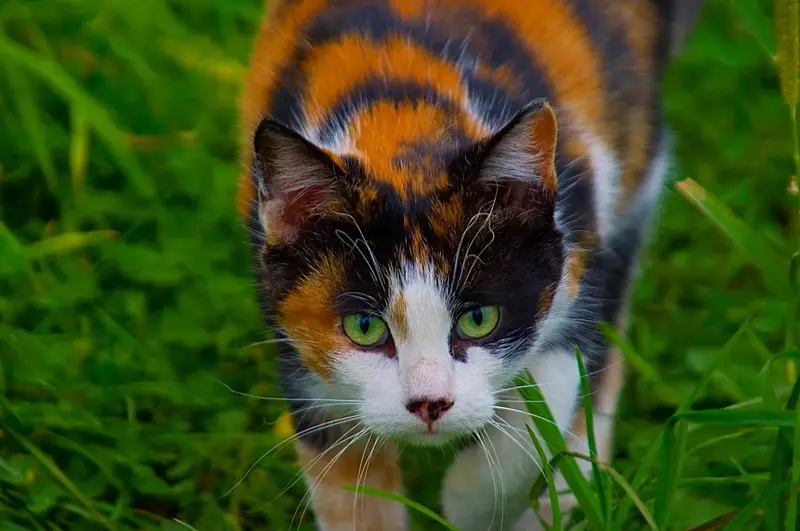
444, 193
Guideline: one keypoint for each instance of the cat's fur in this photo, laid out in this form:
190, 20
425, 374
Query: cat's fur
414, 159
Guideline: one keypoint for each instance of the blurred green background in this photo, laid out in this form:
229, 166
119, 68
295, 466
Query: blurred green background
126, 289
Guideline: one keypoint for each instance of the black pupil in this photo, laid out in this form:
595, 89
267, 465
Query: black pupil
364, 323
477, 316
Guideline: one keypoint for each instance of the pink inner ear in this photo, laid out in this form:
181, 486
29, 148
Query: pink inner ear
288, 212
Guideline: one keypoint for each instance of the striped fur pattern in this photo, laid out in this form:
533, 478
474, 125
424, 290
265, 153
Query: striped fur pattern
413, 160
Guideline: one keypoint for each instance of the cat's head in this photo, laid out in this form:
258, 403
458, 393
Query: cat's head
414, 285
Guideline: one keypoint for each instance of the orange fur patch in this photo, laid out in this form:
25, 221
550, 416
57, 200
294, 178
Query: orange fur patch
334, 506
335, 68
307, 314
398, 317
445, 216
576, 265
546, 298
562, 47
381, 132
637, 19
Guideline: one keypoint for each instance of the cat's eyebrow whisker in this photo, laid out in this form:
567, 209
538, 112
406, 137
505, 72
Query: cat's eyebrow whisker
472, 221
486, 224
377, 271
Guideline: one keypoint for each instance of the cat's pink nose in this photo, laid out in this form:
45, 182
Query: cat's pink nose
429, 411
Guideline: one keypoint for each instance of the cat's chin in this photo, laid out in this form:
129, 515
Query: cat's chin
433, 439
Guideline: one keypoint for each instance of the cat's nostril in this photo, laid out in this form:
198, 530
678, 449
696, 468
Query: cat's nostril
429, 410
416, 405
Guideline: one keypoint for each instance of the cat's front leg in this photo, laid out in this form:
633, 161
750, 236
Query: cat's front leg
487, 487
370, 465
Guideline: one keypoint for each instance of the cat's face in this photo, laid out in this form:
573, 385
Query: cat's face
419, 304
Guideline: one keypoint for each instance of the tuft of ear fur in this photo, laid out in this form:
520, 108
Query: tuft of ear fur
294, 179
521, 157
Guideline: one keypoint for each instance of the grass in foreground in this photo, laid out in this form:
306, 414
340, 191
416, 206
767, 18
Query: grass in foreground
125, 288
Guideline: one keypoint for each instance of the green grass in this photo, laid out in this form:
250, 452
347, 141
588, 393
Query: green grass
126, 290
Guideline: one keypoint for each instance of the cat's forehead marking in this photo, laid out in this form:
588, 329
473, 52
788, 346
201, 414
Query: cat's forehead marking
397, 315
418, 312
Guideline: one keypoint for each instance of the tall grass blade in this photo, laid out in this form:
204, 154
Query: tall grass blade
639, 479
547, 469
765, 257
758, 23
67, 242
411, 504
726, 417
781, 461
546, 426
787, 59
629, 490
59, 475
588, 412
61, 82
742, 519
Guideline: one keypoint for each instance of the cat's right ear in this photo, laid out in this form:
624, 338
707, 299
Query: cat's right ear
294, 179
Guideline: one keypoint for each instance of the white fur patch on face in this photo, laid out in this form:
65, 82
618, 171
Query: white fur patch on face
423, 369
423, 348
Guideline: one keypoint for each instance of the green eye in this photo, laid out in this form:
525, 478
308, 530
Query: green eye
478, 323
365, 330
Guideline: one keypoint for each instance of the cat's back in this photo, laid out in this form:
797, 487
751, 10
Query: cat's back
366, 77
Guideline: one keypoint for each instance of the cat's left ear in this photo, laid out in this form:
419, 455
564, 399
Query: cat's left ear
520, 158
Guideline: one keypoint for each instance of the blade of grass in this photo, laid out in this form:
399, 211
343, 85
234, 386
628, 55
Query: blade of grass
644, 368
599, 478
787, 59
625, 486
672, 456
758, 23
765, 257
548, 479
546, 426
184, 524
62, 83
78, 149
411, 504
64, 243
639, 479
791, 512
32, 121
60, 476
724, 417
669, 472
749, 510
